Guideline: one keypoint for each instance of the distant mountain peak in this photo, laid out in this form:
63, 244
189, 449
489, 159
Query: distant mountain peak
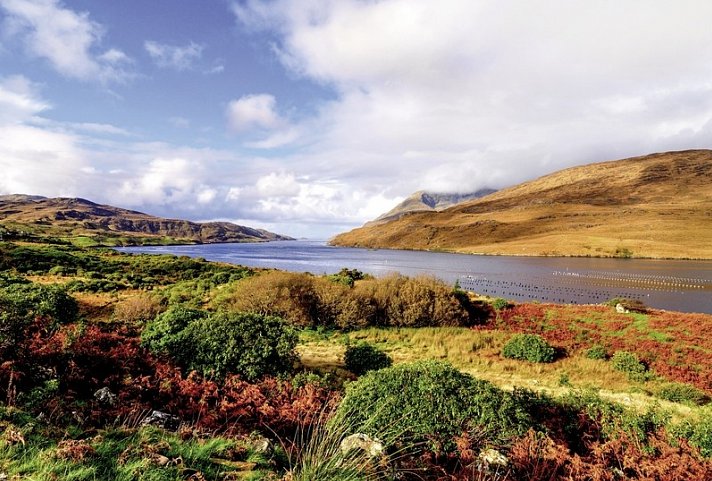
423, 201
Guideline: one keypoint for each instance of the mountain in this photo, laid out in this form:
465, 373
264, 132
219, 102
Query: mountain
72, 217
427, 201
657, 205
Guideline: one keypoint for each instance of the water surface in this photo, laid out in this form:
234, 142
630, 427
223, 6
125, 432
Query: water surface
666, 284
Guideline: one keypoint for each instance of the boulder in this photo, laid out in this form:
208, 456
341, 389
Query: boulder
620, 309
491, 460
372, 447
106, 397
162, 420
260, 444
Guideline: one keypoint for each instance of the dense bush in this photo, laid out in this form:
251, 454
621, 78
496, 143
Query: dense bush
306, 300
529, 347
628, 363
682, 393
166, 335
429, 401
597, 352
364, 357
247, 344
302, 299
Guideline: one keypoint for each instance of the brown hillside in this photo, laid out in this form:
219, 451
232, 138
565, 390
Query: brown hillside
659, 205
80, 217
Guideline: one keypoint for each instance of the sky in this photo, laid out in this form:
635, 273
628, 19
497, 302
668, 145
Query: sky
310, 117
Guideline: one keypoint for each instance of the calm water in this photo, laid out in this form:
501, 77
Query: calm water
674, 285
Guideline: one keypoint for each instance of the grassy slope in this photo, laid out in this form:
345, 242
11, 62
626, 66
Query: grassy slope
656, 206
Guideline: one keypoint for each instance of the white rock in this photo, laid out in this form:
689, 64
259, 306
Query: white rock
372, 447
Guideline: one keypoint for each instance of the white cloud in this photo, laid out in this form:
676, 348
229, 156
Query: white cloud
461, 94
174, 56
65, 38
19, 99
253, 111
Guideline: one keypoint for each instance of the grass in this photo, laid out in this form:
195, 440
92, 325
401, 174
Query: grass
478, 352
124, 454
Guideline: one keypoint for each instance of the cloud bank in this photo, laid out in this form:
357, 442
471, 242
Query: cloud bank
450, 96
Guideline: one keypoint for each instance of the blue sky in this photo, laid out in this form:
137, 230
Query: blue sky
309, 117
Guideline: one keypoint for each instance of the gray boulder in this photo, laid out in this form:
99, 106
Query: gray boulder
106, 397
162, 420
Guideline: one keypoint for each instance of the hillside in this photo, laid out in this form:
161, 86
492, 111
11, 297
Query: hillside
658, 205
65, 217
423, 201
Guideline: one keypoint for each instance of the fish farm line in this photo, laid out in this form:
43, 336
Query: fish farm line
582, 287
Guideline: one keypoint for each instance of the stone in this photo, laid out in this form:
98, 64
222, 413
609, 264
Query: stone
260, 444
106, 397
491, 460
620, 309
162, 420
372, 447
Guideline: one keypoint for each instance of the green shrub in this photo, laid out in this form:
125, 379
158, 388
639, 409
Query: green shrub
365, 357
250, 345
629, 363
429, 401
166, 335
612, 418
500, 303
247, 344
682, 393
529, 347
597, 352
702, 433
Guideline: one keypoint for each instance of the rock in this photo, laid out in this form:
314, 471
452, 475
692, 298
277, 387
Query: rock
491, 460
162, 420
359, 441
260, 444
106, 397
620, 309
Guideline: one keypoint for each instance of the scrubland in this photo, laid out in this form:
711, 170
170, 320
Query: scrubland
252, 365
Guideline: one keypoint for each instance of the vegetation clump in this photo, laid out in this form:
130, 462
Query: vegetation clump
597, 352
682, 393
628, 363
430, 401
529, 347
247, 344
310, 301
364, 357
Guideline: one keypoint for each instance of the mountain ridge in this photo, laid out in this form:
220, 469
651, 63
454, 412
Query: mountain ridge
427, 201
657, 205
72, 216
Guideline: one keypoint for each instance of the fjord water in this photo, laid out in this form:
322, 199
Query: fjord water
666, 284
